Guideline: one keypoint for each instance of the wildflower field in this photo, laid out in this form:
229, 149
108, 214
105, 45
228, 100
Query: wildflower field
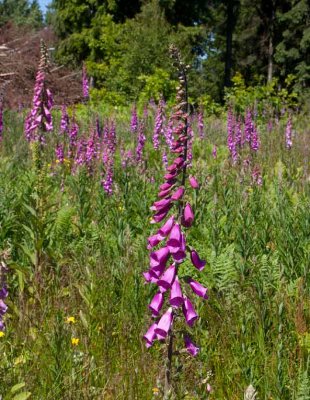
156, 251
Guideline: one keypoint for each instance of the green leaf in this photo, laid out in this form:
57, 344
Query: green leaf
22, 396
17, 387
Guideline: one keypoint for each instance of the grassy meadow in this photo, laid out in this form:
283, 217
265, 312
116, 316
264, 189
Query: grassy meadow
78, 303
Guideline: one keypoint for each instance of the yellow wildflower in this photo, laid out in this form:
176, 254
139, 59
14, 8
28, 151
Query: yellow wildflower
75, 341
70, 320
155, 391
2, 334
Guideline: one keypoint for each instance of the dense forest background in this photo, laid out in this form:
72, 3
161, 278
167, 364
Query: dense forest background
124, 44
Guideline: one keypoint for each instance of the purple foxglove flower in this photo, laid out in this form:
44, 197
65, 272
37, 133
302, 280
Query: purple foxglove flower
197, 262
188, 216
176, 297
161, 214
254, 143
134, 120
141, 142
165, 186
166, 228
150, 335
159, 257
189, 312
175, 238
85, 84
164, 324
3, 308
165, 159
180, 255
190, 346
167, 279
64, 122
161, 204
288, 133
159, 121
153, 241
178, 194
157, 271
248, 125
198, 289
193, 182
3, 293
164, 193
149, 278
59, 151
156, 303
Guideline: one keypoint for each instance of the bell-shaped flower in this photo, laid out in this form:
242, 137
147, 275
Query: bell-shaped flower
193, 182
188, 216
198, 288
3, 292
150, 335
191, 346
161, 204
164, 193
178, 194
153, 241
156, 303
3, 307
176, 297
149, 278
161, 214
189, 312
164, 324
165, 186
197, 262
166, 228
167, 279
180, 255
179, 162
159, 257
175, 239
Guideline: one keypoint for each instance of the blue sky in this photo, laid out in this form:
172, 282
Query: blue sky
43, 4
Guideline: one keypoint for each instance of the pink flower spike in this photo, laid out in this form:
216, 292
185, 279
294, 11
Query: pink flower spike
168, 277
193, 182
178, 194
164, 324
176, 297
197, 262
189, 312
190, 346
166, 228
188, 216
150, 335
198, 289
156, 303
